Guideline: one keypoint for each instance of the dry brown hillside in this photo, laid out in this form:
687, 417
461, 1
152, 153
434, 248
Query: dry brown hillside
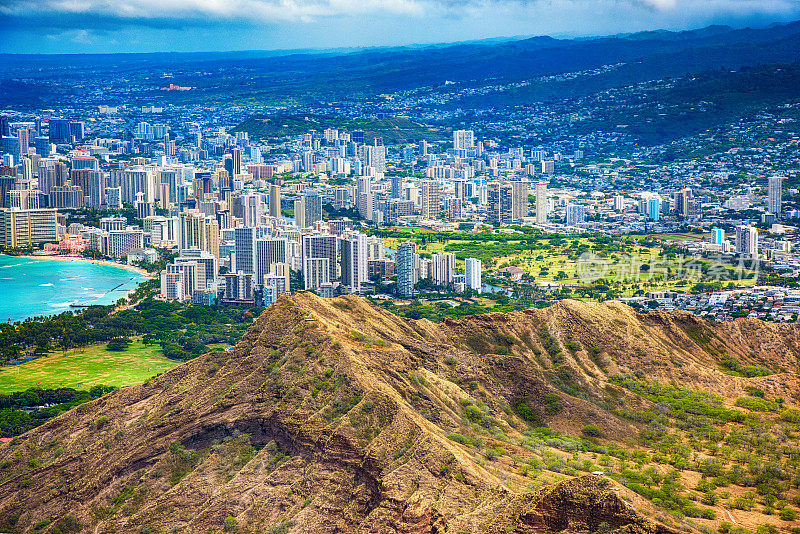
336, 416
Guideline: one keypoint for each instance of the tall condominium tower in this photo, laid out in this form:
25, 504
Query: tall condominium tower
774, 192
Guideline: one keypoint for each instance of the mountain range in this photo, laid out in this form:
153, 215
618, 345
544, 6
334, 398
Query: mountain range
337, 416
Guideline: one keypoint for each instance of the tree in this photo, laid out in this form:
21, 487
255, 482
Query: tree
118, 344
591, 431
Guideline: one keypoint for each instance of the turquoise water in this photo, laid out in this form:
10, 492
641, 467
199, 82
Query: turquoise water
34, 287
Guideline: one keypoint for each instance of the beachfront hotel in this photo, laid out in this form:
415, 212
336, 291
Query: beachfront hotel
24, 228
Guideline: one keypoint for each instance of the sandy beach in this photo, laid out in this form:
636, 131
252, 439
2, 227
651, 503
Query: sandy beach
65, 257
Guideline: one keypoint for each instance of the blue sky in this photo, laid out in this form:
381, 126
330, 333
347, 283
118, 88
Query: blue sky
102, 26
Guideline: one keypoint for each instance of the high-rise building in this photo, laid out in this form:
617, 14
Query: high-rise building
269, 251
118, 243
43, 146
112, 197
274, 285
321, 246
66, 196
26, 168
251, 209
774, 193
316, 272
24, 228
694, 208
654, 209
463, 139
541, 202
11, 147
108, 224
77, 130
493, 214
682, 197
619, 203
236, 156
717, 236
85, 162
307, 210
374, 156
24, 142
472, 274
210, 263
239, 288
366, 206
507, 203
199, 231
6, 185
444, 268
182, 279
576, 214
397, 186
245, 248
283, 270
354, 253
274, 200
94, 187
59, 131
24, 199
405, 267
747, 241
431, 199
519, 200
134, 180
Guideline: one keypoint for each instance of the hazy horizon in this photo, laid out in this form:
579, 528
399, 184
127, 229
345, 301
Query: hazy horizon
149, 26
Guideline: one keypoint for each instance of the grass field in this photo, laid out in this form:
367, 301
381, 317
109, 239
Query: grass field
557, 266
86, 367
631, 267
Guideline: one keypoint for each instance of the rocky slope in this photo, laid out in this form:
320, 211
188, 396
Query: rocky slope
336, 416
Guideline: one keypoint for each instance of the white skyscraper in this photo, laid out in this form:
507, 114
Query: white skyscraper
541, 202
444, 266
472, 274
197, 231
463, 139
775, 190
251, 209
316, 272
431, 198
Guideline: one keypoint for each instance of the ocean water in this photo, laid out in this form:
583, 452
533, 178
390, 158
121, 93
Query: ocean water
35, 287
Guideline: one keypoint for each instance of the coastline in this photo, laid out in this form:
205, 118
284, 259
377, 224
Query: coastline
72, 258
135, 275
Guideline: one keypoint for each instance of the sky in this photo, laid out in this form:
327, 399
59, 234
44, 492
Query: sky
108, 26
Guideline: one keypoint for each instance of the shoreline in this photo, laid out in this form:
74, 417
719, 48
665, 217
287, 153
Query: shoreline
140, 275
73, 258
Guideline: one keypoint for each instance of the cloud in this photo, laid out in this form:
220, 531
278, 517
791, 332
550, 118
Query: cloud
149, 12
234, 24
209, 10
661, 4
